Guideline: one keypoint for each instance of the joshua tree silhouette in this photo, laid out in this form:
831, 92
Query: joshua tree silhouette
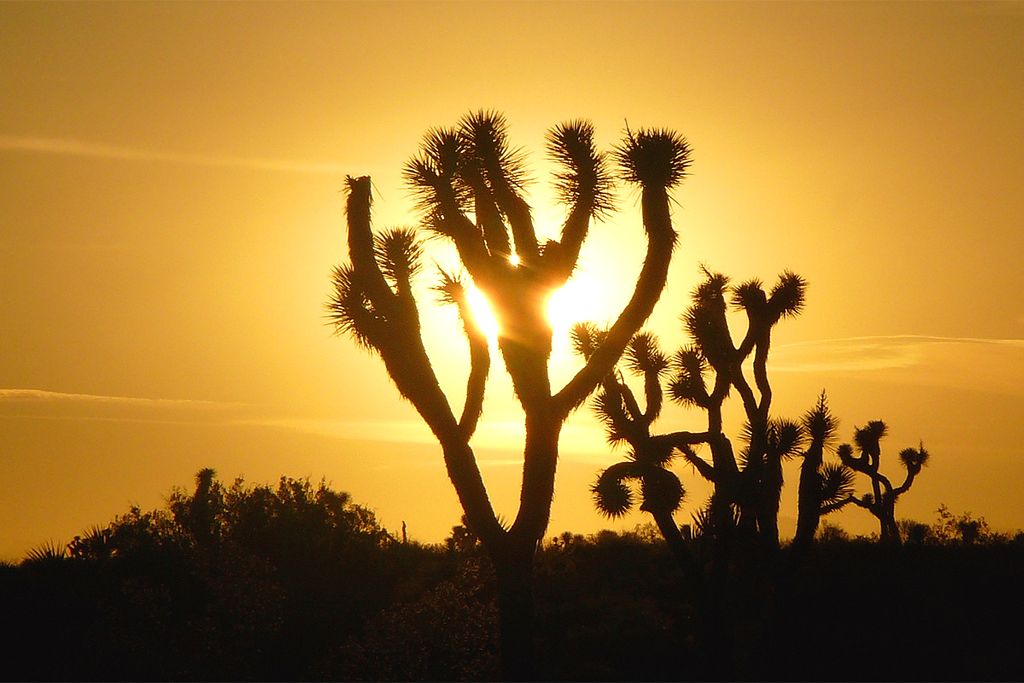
469, 182
647, 460
749, 484
745, 503
881, 501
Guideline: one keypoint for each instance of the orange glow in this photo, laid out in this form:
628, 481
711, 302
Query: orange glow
170, 181
483, 314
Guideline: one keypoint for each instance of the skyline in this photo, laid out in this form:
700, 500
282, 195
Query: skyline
172, 209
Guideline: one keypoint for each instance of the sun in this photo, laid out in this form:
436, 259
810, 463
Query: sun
581, 299
483, 314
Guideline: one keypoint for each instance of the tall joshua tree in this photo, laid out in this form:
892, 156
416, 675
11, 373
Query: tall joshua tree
752, 481
881, 500
702, 375
470, 185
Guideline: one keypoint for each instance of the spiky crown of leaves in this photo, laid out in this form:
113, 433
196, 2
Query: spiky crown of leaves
868, 437
914, 458
820, 423
654, 157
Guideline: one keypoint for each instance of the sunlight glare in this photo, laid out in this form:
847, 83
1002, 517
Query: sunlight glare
578, 300
483, 314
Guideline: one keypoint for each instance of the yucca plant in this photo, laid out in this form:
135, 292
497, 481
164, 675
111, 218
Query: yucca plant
47, 554
824, 487
469, 182
881, 500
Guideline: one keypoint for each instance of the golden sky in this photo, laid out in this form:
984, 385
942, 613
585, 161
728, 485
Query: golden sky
171, 206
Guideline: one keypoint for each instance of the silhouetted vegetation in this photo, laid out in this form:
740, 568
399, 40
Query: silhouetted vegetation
733, 573
745, 503
470, 182
225, 583
881, 501
296, 582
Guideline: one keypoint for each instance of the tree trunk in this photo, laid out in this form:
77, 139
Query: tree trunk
809, 500
514, 570
674, 539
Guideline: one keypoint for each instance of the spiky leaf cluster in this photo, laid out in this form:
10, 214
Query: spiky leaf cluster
820, 423
350, 310
586, 337
583, 170
643, 355
914, 458
703, 521
836, 482
611, 493
788, 295
749, 295
660, 490
868, 437
654, 157
783, 438
398, 252
451, 289
611, 411
485, 138
435, 174
705, 320
687, 384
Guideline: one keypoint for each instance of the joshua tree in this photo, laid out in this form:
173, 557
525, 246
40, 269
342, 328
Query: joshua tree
625, 421
824, 487
881, 501
751, 482
747, 487
470, 186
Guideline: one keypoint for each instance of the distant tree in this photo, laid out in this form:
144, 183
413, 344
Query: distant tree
964, 528
236, 581
470, 185
881, 500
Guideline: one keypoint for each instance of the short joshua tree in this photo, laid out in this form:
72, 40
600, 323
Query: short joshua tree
881, 500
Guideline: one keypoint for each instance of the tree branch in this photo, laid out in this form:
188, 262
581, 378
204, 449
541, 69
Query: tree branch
479, 365
661, 241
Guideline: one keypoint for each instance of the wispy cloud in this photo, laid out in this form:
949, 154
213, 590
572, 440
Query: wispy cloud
40, 395
494, 435
57, 405
84, 148
852, 354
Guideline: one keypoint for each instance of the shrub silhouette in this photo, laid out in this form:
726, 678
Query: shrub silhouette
609, 606
227, 582
469, 182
